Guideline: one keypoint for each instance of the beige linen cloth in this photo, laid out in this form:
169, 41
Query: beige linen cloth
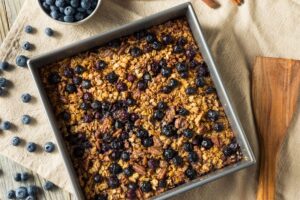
235, 35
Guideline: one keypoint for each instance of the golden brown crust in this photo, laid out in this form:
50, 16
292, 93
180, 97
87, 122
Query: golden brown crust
91, 135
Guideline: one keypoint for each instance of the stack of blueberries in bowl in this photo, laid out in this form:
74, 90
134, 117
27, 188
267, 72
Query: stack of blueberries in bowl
70, 11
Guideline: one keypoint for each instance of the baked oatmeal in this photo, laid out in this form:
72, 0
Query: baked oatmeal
140, 115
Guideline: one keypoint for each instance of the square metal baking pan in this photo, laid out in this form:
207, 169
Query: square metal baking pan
182, 10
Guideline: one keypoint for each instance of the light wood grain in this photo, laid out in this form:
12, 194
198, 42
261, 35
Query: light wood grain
275, 91
9, 10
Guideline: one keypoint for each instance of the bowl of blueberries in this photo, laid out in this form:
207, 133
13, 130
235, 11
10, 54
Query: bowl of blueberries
72, 12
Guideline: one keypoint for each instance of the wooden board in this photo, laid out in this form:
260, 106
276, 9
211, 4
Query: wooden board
275, 91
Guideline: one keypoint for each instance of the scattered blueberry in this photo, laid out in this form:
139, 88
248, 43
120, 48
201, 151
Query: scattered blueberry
142, 85
112, 77
86, 84
21, 61
207, 143
187, 146
100, 65
3, 82
193, 156
49, 147
190, 90
146, 186
113, 182
21, 193
6, 125
26, 46
49, 31
49, 185
188, 133
181, 67
24, 176
183, 112
26, 119
168, 130
167, 39
200, 82
17, 177
32, 190
212, 115
218, 127
191, 173
230, 149
162, 105
11, 194
25, 98
28, 29
98, 178
79, 69
31, 147
135, 52
210, 90
128, 171
71, 88
177, 160
4, 65
125, 156
147, 142
15, 141
169, 154
166, 72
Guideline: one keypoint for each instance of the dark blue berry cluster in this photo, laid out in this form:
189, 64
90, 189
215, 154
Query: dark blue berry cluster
69, 11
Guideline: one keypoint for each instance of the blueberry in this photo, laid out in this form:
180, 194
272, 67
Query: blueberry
178, 49
190, 173
167, 39
3, 82
50, 2
187, 146
166, 72
112, 77
158, 115
100, 65
162, 105
6, 125
32, 190
134, 117
79, 16
71, 88
125, 156
142, 85
30, 197
156, 45
80, 9
46, 6
121, 87
207, 143
142, 133
88, 118
54, 78
169, 154
28, 29
15, 141
86, 84
197, 140
11, 194
191, 90
130, 101
79, 69
77, 80
98, 178
49, 147
188, 133
60, 3
181, 41
193, 156
49, 31
113, 182
75, 3
183, 112
69, 19
88, 97
4, 65
153, 163
200, 82
62, 11
17, 177
69, 11
2, 91
166, 89
86, 4
31, 147
68, 72
202, 69
26, 119
49, 185
54, 8
173, 83
96, 105
24, 176
184, 75
26, 46
146, 186
177, 160
128, 171
150, 37
147, 142
55, 14
190, 53
118, 124
230, 149
218, 127
21, 61
168, 130
135, 52
162, 183
181, 67
212, 115
131, 78
115, 155
21, 193
210, 90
